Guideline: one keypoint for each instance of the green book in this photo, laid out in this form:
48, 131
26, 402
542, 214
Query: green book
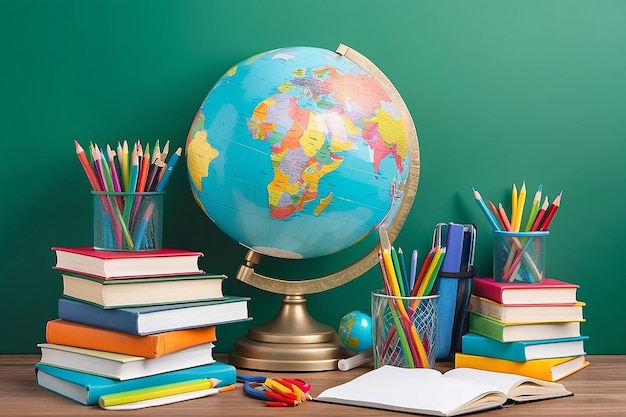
495, 329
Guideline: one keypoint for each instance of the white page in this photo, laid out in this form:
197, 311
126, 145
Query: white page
410, 390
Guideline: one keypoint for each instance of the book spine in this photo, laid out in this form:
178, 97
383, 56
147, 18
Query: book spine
485, 290
114, 319
486, 327
474, 344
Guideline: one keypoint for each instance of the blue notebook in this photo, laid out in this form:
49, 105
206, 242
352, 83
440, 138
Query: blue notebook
448, 289
87, 389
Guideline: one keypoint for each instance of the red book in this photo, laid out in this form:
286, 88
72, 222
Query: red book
549, 291
111, 265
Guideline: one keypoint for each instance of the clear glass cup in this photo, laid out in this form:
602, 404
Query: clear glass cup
127, 221
519, 256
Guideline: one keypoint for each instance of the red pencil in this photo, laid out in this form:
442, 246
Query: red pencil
425, 265
91, 175
143, 170
545, 222
539, 216
504, 219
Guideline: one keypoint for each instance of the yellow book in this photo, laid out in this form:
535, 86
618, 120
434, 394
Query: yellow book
551, 369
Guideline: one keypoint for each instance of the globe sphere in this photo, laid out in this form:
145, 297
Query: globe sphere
297, 153
355, 331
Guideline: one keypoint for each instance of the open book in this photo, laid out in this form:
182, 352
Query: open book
428, 391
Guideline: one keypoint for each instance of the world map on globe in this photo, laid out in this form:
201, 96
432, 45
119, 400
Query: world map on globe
297, 153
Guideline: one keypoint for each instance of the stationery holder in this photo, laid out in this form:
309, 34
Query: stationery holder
127, 221
454, 285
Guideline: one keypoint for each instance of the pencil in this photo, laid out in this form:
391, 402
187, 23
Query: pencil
504, 219
521, 201
91, 175
545, 222
494, 210
485, 210
168, 171
540, 215
143, 170
420, 277
534, 208
124, 163
398, 270
513, 207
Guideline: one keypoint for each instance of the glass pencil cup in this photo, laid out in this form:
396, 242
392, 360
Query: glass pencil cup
127, 221
519, 256
404, 330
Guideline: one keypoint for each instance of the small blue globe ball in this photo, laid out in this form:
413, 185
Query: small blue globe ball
355, 331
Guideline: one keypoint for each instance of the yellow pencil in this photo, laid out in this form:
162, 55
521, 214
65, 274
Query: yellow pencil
521, 201
513, 206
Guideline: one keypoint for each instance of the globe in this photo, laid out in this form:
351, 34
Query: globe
298, 152
355, 331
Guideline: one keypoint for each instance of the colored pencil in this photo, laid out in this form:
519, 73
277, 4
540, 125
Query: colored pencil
124, 162
521, 201
491, 219
545, 222
504, 219
143, 170
91, 175
422, 274
534, 208
513, 206
168, 171
398, 270
540, 214
414, 262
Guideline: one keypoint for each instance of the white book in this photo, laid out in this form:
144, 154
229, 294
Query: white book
120, 366
428, 391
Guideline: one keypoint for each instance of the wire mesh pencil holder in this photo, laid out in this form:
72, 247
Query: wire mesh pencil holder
404, 330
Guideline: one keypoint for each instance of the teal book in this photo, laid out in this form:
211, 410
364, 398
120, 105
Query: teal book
522, 351
87, 389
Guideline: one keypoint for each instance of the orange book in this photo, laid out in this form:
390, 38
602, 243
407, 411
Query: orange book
63, 332
550, 369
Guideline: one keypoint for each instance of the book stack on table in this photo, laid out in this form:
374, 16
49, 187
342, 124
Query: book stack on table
134, 320
526, 329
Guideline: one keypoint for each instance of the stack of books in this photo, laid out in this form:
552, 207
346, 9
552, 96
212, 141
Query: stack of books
134, 320
526, 329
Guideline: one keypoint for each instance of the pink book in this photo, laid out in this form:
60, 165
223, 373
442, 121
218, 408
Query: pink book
549, 291
126, 264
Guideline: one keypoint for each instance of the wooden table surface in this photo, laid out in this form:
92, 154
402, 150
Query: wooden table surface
600, 390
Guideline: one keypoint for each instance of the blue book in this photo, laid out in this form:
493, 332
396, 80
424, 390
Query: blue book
522, 351
87, 388
156, 319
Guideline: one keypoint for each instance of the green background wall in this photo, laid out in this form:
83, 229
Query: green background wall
500, 92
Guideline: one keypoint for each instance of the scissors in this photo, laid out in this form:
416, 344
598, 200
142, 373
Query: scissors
280, 392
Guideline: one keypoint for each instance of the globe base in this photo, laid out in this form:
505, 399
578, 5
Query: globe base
292, 341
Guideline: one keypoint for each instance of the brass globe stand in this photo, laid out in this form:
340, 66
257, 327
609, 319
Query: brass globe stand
293, 340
